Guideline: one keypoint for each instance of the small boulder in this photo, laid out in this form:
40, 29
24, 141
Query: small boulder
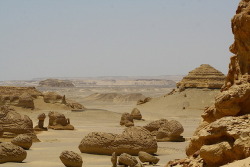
114, 159
145, 157
71, 159
11, 153
126, 118
127, 160
155, 125
23, 140
136, 114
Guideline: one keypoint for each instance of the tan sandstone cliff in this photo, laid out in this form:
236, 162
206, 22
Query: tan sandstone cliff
224, 134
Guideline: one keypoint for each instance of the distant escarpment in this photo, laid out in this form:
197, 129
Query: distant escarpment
30, 97
204, 76
56, 83
223, 136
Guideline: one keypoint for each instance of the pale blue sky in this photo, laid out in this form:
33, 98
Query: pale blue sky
79, 38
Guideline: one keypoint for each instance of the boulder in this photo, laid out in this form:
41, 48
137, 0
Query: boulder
23, 140
58, 121
131, 141
71, 159
127, 160
145, 157
114, 160
15, 123
136, 114
126, 119
26, 101
155, 125
11, 153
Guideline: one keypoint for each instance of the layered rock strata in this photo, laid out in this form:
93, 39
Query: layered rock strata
204, 76
56, 83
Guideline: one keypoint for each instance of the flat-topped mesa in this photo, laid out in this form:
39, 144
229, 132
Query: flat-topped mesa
56, 83
204, 76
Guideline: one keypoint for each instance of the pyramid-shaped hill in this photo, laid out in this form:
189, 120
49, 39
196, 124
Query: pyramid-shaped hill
204, 76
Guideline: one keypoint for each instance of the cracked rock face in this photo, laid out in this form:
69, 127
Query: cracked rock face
11, 153
71, 159
224, 134
131, 141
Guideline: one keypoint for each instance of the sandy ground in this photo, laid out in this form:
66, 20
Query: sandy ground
106, 117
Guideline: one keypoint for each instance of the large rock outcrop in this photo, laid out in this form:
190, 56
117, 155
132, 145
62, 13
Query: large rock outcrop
11, 153
56, 83
131, 141
58, 121
204, 76
224, 134
15, 123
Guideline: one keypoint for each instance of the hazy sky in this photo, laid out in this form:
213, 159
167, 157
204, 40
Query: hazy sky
79, 38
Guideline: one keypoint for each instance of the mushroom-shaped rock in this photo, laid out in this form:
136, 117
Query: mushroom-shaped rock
58, 121
170, 132
145, 157
71, 159
22, 140
114, 159
40, 126
125, 118
136, 114
131, 141
11, 153
127, 160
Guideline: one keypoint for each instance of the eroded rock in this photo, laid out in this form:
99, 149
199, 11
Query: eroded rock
136, 114
58, 121
71, 159
127, 160
145, 157
23, 140
11, 153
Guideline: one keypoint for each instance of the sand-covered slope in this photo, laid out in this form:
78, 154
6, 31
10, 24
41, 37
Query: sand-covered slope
190, 102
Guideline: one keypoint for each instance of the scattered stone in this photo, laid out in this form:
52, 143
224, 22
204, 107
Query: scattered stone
127, 160
71, 159
58, 121
145, 157
11, 153
136, 114
131, 141
23, 140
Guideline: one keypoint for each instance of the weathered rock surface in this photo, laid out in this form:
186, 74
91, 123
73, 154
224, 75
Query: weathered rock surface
127, 160
11, 153
127, 120
114, 159
131, 141
71, 159
22, 140
136, 114
223, 136
58, 121
56, 83
145, 157
15, 123
154, 126
170, 132
18, 96
40, 126
204, 76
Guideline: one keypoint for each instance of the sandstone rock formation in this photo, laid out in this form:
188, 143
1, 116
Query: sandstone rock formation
114, 159
15, 123
136, 114
145, 157
127, 120
40, 126
71, 159
22, 140
53, 97
145, 100
223, 136
131, 141
154, 126
204, 76
127, 160
11, 153
58, 121
56, 83
18, 96
170, 132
